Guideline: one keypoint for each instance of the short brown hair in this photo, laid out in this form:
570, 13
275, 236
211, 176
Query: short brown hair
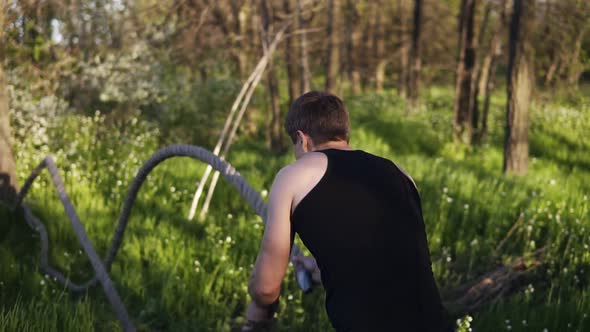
320, 115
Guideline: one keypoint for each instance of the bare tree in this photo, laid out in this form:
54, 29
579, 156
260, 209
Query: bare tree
304, 59
576, 67
291, 56
519, 88
231, 19
352, 40
488, 70
415, 55
379, 46
275, 137
464, 89
405, 44
333, 49
7, 164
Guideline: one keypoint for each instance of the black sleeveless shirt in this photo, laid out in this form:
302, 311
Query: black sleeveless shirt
363, 224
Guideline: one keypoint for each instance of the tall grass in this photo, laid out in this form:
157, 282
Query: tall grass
177, 275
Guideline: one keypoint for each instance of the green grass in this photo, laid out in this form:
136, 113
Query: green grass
191, 276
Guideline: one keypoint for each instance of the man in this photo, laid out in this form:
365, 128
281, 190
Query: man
360, 217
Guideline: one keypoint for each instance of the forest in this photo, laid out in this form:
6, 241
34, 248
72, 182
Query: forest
486, 103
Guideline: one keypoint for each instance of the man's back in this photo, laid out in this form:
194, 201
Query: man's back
363, 223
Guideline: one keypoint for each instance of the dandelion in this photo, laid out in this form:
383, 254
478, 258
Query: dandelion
449, 258
552, 182
290, 297
172, 189
445, 190
466, 206
223, 258
449, 199
228, 239
264, 193
524, 322
119, 183
42, 282
230, 216
197, 269
197, 263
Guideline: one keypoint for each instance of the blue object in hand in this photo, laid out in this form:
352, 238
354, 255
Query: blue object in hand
303, 279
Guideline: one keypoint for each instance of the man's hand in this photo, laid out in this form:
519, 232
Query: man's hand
259, 317
309, 263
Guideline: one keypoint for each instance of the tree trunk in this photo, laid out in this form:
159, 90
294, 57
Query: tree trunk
552, 68
404, 49
332, 51
415, 56
366, 60
304, 61
519, 89
275, 138
379, 47
487, 82
576, 67
463, 108
480, 72
8, 184
353, 38
290, 58
240, 29
277, 144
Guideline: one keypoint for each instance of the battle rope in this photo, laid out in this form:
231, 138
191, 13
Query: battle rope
101, 268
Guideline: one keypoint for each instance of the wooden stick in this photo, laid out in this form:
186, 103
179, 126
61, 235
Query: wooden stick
248, 85
267, 56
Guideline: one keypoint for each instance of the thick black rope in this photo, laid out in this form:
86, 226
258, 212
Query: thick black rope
101, 268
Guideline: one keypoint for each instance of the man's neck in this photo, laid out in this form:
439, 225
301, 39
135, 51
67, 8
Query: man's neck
340, 145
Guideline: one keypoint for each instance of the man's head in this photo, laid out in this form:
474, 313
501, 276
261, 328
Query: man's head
317, 118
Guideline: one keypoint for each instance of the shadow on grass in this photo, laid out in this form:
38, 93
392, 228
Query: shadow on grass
556, 147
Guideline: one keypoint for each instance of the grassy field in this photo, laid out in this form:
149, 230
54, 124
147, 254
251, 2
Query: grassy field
176, 275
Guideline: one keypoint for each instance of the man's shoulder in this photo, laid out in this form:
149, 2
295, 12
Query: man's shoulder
310, 164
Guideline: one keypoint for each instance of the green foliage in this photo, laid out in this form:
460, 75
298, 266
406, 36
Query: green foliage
183, 276
48, 314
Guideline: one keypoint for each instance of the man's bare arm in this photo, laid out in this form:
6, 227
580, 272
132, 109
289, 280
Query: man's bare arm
273, 258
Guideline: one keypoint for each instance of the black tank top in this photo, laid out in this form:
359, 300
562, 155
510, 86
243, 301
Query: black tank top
363, 224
